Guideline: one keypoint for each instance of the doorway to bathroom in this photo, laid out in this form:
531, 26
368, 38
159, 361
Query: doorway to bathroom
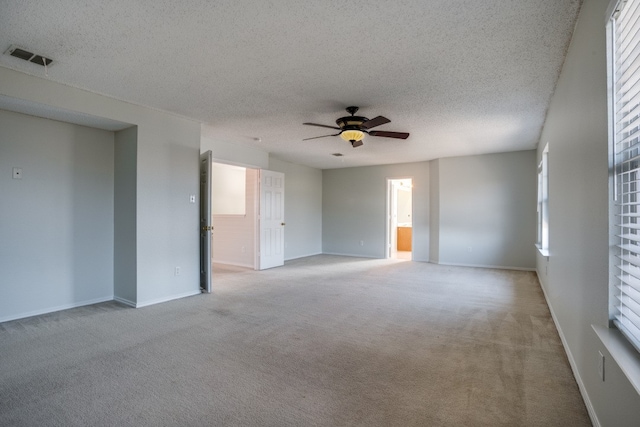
399, 218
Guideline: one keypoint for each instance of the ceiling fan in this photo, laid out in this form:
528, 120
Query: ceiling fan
353, 128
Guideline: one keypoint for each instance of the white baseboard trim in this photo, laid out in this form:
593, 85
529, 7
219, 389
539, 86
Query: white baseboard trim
499, 267
125, 301
169, 298
55, 308
365, 256
572, 362
235, 264
302, 256
351, 255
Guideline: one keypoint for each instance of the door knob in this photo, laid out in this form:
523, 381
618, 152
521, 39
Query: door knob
282, 224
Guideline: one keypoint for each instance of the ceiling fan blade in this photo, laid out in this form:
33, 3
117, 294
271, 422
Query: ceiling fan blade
323, 136
399, 135
376, 121
322, 126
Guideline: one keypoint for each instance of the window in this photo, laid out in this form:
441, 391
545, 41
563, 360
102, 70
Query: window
228, 189
624, 110
542, 242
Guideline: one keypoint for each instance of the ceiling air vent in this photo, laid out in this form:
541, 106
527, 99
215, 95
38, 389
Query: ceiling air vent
21, 53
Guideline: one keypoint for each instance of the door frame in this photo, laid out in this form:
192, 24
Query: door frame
388, 250
205, 234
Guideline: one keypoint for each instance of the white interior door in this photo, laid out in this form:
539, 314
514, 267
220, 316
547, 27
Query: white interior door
205, 221
271, 219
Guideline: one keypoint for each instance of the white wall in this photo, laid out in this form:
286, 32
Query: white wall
228, 189
166, 175
234, 235
404, 208
235, 154
57, 222
354, 209
487, 210
302, 208
576, 275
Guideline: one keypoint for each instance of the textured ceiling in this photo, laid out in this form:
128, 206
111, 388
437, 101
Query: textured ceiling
462, 76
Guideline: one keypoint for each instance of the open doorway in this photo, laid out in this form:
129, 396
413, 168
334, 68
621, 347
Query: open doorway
400, 218
234, 217
247, 218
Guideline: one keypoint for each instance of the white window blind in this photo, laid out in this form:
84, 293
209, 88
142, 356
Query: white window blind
543, 202
625, 73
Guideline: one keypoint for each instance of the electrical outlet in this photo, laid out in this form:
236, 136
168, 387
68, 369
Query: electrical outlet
469, 249
601, 365
361, 242
177, 271
243, 249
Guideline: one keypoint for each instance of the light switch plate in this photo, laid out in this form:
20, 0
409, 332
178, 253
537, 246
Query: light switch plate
17, 173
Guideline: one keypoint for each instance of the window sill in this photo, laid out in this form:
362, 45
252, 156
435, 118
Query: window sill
543, 252
625, 355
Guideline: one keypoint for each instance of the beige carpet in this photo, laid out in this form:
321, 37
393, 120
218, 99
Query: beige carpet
323, 341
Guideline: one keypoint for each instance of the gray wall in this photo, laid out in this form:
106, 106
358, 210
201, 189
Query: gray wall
484, 202
487, 210
354, 209
167, 164
234, 154
56, 223
125, 232
302, 208
167, 224
434, 211
575, 276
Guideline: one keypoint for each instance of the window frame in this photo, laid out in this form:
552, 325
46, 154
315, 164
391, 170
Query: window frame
624, 175
542, 240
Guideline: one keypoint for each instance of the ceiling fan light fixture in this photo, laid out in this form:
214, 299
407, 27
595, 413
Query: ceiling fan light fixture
352, 135
353, 128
